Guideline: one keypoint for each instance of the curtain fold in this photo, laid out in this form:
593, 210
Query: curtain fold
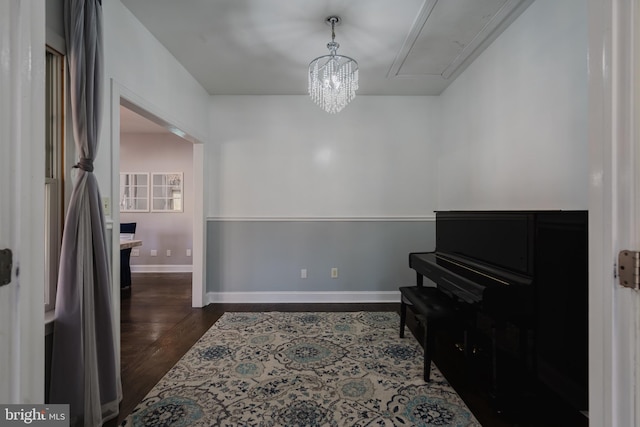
83, 372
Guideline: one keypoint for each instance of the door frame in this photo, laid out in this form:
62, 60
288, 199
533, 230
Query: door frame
120, 94
614, 205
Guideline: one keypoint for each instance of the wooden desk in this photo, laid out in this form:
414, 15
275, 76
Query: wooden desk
128, 244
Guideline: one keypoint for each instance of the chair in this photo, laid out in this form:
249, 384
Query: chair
127, 231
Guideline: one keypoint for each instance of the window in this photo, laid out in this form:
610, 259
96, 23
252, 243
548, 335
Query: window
134, 192
54, 189
167, 192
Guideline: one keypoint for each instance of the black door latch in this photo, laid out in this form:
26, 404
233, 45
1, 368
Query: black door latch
6, 264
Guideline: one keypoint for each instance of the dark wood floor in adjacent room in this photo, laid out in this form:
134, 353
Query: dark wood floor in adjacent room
158, 326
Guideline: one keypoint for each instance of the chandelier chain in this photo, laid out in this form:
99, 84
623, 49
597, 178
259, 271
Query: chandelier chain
333, 28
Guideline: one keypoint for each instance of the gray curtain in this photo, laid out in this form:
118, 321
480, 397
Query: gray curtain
83, 372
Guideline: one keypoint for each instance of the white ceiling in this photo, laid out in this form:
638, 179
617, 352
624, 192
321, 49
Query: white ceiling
263, 47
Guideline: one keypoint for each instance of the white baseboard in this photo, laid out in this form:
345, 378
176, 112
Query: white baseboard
302, 297
176, 268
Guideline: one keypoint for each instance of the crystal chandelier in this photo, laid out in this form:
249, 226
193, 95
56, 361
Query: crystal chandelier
333, 78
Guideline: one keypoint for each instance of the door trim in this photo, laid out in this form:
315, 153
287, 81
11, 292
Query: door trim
613, 210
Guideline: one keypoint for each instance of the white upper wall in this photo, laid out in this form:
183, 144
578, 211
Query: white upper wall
510, 133
515, 122
139, 63
282, 156
140, 69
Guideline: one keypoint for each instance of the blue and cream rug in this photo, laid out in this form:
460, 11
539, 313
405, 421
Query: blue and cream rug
302, 369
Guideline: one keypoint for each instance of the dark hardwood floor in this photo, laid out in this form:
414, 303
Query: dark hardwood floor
158, 326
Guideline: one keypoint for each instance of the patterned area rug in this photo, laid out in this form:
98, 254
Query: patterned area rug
302, 369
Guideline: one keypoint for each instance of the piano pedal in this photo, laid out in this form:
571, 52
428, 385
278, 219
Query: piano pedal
473, 350
496, 402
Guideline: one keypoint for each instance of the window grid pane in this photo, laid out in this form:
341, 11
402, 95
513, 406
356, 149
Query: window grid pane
167, 192
134, 192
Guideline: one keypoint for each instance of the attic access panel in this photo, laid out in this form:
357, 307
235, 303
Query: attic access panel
449, 34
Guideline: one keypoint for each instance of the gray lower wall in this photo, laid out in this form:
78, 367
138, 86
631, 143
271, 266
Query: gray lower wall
267, 256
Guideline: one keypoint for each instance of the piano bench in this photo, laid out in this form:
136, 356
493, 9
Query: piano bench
433, 309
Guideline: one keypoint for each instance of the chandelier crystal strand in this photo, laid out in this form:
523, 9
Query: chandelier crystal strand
333, 78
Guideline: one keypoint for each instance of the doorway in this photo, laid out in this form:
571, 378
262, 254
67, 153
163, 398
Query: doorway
122, 97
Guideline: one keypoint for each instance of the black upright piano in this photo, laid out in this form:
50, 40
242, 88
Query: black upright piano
523, 267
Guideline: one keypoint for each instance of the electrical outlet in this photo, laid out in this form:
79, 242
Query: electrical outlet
334, 273
168, 252
135, 252
303, 273
154, 252
188, 252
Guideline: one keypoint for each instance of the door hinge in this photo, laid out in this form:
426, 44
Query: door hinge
629, 268
6, 264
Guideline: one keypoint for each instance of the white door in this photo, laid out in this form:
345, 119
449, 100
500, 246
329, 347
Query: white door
21, 200
614, 209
